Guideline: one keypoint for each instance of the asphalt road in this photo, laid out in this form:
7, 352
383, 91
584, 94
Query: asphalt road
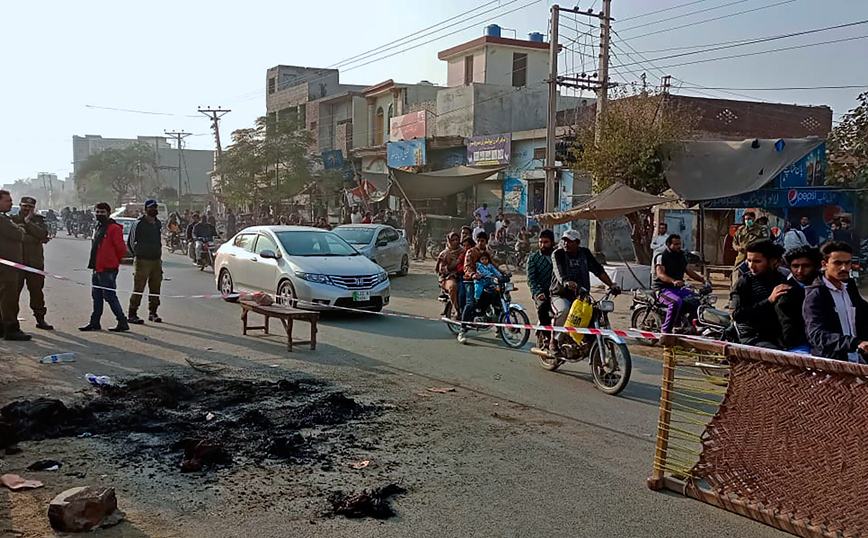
518, 451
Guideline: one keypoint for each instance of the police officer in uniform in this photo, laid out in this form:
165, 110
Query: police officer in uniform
36, 235
11, 249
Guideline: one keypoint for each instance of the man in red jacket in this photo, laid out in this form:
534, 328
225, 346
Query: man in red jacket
106, 253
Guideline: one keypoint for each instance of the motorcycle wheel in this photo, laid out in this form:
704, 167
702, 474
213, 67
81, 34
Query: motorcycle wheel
514, 338
646, 319
611, 365
447, 313
549, 363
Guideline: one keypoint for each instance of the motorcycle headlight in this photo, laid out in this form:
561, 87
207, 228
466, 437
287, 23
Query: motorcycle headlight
382, 277
314, 277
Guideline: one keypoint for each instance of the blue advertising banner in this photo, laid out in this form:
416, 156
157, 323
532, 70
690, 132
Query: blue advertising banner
406, 153
333, 160
514, 196
809, 171
488, 150
782, 198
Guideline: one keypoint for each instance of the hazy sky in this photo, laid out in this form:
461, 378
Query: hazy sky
171, 56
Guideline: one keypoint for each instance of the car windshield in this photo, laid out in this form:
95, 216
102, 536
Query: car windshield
314, 243
356, 236
127, 224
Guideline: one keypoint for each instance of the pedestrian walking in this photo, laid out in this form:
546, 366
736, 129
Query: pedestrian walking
36, 235
11, 249
145, 243
106, 253
231, 223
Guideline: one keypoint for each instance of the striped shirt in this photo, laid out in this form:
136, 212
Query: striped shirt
539, 273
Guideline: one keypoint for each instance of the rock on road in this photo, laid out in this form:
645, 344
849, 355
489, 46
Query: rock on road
514, 451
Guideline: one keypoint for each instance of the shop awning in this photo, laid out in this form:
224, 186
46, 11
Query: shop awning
442, 183
616, 201
711, 169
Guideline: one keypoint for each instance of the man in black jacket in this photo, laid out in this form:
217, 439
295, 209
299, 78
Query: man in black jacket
146, 245
836, 316
755, 295
804, 265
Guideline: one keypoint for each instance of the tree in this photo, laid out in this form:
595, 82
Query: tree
117, 173
636, 134
847, 149
266, 163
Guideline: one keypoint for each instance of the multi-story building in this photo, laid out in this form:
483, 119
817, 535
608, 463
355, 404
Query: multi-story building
196, 165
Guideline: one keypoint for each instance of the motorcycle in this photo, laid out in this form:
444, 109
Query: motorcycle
173, 241
500, 309
611, 364
698, 317
208, 249
52, 228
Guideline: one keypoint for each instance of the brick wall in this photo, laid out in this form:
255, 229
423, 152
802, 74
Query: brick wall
285, 98
430, 118
344, 137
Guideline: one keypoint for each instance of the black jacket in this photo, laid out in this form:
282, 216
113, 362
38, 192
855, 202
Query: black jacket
823, 325
789, 311
144, 240
753, 313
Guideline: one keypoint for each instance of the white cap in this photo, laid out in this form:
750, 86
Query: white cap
572, 235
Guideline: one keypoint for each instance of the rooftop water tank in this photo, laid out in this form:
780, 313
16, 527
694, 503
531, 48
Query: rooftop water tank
492, 30
536, 37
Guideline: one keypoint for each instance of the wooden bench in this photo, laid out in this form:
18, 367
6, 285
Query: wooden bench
286, 316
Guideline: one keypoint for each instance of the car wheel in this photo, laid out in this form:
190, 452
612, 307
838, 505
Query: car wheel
286, 294
226, 288
405, 266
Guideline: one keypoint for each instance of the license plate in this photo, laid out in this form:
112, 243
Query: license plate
361, 296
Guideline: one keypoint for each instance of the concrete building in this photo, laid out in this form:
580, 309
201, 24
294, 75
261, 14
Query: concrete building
196, 165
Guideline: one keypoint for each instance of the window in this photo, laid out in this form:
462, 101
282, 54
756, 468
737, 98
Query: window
271, 85
356, 236
387, 128
392, 235
378, 127
519, 69
383, 236
315, 244
468, 69
245, 241
265, 243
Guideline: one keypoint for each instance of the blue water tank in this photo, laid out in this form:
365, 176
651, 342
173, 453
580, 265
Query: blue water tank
536, 37
492, 30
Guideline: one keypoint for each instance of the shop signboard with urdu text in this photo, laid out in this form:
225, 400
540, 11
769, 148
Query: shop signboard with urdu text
491, 150
408, 126
406, 153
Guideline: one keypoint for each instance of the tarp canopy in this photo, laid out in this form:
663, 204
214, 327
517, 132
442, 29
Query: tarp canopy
442, 183
616, 201
710, 169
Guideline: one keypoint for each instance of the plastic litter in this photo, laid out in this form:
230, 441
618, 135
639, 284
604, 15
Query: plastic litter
59, 357
98, 380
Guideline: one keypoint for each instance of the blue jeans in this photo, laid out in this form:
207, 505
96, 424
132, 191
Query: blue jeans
106, 279
469, 301
462, 294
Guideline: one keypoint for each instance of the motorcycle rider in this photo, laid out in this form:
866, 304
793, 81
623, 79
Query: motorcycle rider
194, 220
471, 258
670, 266
203, 232
572, 266
539, 278
447, 269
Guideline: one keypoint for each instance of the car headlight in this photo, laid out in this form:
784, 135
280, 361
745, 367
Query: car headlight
314, 277
382, 277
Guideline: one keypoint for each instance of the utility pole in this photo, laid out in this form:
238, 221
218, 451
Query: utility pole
666, 82
214, 114
602, 100
179, 137
594, 82
552, 121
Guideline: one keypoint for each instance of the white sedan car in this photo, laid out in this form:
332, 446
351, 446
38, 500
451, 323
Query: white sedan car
381, 243
307, 267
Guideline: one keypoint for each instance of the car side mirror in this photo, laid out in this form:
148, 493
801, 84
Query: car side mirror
269, 254
382, 242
